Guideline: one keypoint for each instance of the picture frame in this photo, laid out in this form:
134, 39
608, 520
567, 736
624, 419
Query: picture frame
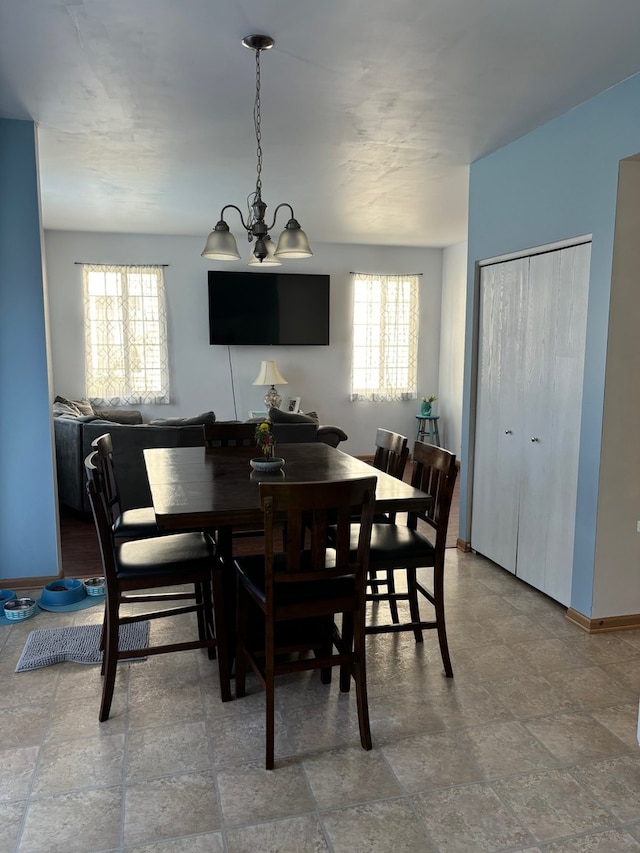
293, 405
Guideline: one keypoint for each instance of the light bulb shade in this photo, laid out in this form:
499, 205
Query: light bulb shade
293, 242
269, 374
221, 244
270, 260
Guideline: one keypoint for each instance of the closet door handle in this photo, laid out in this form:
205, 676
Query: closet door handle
534, 438
508, 432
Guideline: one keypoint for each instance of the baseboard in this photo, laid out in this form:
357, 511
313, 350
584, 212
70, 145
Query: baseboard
461, 545
29, 583
605, 623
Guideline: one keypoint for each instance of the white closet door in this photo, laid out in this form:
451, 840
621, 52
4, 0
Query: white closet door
556, 311
498, 433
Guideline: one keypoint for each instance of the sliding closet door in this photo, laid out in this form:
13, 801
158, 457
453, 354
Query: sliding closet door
498, 434
556, 314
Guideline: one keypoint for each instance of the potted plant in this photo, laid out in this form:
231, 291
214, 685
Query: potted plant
425, 408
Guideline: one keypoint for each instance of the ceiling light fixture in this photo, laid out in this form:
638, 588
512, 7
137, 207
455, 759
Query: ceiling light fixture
293, 243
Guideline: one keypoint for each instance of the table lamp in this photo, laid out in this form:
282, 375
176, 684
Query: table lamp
269, 375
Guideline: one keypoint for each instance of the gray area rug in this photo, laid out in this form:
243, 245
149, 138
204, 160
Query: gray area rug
79, 644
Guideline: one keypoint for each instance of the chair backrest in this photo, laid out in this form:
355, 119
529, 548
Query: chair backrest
227, 434
391, 453
99, 502
104, 448
434, 472
307, 510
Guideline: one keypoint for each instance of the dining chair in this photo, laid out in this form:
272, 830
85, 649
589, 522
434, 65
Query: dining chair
418, 543
230, 434
136, 523
135, 571
391, 454
233, 434
295, 595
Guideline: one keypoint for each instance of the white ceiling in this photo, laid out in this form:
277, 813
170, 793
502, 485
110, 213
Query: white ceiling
372, 111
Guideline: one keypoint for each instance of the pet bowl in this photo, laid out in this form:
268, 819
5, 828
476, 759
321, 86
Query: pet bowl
61, 592
19, 608
6, 595
94, 586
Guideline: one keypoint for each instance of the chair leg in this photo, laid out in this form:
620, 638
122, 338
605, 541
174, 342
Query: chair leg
346, 669
360, 677
270, 697
414, 608
373, 581
103, 633
241, 663
110, 657
200, 596
391, 590
438, 596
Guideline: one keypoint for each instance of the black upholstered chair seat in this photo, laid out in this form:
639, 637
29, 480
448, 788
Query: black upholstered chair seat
252, 575
400, 541
164, 555
136, 523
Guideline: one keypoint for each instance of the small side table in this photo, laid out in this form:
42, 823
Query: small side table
428, 429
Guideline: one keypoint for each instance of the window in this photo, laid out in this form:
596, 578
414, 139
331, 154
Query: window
126, 357
385, 337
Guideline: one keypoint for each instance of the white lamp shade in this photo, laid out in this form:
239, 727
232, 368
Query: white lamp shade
270, 260
221, 246
293, 243
269, 374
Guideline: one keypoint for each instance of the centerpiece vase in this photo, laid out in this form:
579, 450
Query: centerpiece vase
425, 409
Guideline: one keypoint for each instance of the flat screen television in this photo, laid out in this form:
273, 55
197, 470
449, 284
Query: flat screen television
265, 308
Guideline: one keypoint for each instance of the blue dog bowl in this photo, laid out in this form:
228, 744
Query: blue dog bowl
6, 595
63, 591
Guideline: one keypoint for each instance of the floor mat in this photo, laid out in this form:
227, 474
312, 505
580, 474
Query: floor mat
79, 644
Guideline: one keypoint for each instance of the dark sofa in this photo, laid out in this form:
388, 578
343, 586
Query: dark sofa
73, 437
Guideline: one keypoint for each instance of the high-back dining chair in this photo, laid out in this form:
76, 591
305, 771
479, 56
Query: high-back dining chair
295, 594
391, 454
417, 544
144, 565
230, 434
136, 523
233, 434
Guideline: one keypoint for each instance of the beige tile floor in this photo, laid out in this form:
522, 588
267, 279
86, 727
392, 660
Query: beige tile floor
531, 747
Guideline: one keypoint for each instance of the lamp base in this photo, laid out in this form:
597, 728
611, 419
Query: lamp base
272, 399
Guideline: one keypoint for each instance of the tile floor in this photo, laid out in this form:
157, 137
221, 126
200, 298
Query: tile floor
531, 747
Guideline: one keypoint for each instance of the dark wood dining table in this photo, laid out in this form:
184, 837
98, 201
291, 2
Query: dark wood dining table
216, 489
198, 487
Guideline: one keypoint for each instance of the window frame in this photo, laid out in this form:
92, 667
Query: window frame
125, 333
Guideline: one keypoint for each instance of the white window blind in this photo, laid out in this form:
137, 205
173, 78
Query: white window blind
126, 359
385, 337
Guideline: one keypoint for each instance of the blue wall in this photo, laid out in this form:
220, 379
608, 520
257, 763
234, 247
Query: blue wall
558, 182
28, 520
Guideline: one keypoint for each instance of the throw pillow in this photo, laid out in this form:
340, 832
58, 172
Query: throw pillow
120, 416
63, 406
84, 406
198, 420
277, 416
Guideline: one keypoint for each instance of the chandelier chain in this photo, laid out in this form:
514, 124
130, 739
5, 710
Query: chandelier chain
257, 122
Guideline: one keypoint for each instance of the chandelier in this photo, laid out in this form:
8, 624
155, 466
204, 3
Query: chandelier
293, 243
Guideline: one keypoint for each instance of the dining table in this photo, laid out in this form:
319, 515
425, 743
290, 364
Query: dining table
215, 488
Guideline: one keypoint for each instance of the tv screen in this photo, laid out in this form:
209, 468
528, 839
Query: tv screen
257, 309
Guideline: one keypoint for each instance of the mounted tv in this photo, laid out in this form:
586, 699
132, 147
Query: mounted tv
265, 308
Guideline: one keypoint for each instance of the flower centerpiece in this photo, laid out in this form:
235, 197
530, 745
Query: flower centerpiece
425, 407
265, 439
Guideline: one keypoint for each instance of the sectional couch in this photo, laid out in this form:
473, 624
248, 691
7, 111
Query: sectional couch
74, 434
